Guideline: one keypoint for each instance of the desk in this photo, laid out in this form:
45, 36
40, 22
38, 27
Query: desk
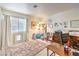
56, 48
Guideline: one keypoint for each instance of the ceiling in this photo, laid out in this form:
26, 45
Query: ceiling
42, 9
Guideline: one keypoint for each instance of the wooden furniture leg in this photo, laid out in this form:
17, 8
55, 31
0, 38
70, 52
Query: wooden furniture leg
53, 53
47, 52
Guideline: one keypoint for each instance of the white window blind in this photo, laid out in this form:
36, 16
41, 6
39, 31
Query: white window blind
18, 37
22, 25
18, 24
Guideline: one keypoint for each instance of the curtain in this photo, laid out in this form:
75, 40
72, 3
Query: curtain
3, 33
0, 32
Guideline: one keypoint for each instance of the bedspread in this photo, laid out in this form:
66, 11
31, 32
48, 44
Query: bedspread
29, 48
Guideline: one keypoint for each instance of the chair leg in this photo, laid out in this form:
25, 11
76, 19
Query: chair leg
53, 53
47, 52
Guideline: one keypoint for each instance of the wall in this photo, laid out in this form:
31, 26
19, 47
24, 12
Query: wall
65, 16
30, 30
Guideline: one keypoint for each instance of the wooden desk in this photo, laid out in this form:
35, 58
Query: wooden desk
56, 48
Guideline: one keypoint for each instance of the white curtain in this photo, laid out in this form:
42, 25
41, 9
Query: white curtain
3, 33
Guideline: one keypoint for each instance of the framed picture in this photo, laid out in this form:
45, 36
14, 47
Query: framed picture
74, 23
65, 24
56, 24
33, 24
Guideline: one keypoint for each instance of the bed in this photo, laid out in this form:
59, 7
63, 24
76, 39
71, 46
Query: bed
30, 48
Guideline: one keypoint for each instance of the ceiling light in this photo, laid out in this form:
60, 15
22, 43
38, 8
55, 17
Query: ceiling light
35, 6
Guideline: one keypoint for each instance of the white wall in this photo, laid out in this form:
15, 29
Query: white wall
65, 16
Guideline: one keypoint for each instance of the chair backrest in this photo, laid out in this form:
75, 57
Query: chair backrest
75, 54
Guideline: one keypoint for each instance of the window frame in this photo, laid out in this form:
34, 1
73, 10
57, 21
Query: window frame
18, 25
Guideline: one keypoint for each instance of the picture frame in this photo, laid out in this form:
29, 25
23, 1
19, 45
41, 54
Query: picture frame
65, 24
33, 24
74, 24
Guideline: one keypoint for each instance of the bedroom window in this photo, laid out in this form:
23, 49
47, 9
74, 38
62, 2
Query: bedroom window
18, 24
18, 37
